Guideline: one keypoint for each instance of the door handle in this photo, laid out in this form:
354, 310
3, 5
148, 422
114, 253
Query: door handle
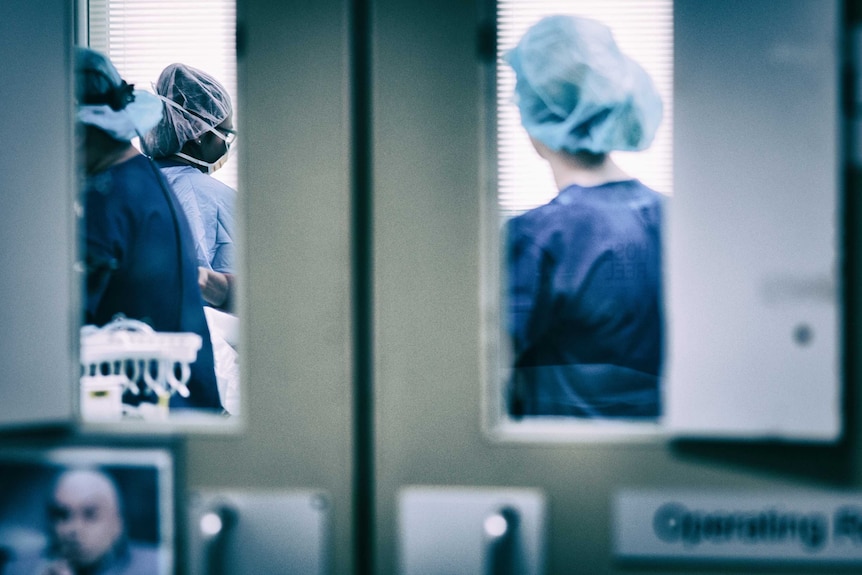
469, 529
282, 532
216, 526
503, 542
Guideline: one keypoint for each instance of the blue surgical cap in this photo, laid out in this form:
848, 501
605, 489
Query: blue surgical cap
577, 92
107, 102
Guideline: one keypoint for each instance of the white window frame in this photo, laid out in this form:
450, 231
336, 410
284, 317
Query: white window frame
517, 179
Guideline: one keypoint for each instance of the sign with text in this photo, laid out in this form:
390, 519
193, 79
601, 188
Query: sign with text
711, 526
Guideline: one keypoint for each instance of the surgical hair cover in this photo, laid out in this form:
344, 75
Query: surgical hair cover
195, 103
106, 101
577, 92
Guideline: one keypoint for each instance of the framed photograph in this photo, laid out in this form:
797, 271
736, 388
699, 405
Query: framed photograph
81, 510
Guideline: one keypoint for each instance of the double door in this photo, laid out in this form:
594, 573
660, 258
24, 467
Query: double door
364, 176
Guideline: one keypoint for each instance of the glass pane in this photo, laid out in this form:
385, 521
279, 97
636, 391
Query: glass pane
159, 196
638, 293
560, 356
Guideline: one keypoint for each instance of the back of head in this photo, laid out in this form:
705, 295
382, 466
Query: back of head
195, 102
98, 82
577, 91
104, 100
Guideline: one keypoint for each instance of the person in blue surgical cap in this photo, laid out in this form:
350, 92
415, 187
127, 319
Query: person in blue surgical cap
584, 271
139, 257
191, 142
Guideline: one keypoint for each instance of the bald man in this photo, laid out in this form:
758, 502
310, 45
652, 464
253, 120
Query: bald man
87, 532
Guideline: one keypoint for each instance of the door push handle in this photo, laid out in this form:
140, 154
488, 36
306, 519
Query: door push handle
215, 528
503, 554
266, 532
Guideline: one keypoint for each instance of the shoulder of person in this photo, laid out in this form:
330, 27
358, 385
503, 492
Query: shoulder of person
143, 560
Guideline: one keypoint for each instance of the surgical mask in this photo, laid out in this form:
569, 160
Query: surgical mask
137, 118
210, 167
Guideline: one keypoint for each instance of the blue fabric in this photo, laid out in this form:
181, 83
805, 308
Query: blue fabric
209, 207
585, 303
135, 266
126, 559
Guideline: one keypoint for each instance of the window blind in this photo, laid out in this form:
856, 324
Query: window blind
644, 30
141, 37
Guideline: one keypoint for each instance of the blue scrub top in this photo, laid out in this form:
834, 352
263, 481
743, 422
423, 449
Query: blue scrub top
209, 207
584, 303
141, 263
